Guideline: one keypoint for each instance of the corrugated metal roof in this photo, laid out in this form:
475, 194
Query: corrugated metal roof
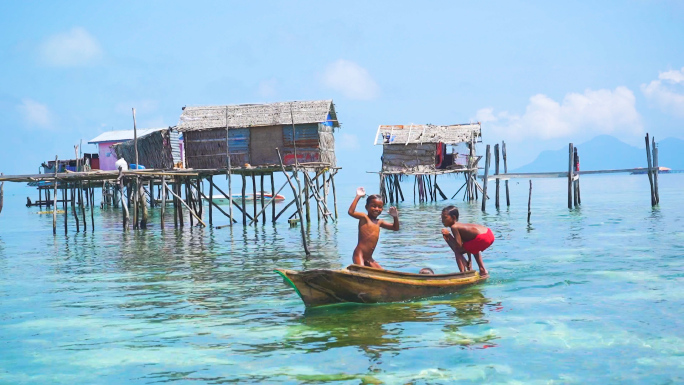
427, 133
124, 135
256, 115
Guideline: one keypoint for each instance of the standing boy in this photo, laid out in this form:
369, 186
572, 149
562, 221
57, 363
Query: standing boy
466, 238
369, 227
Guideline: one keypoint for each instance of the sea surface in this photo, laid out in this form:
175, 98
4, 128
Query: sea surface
590, 295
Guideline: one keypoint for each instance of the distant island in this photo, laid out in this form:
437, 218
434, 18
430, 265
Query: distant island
606, 152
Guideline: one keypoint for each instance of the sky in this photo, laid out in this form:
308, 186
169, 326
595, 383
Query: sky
536, 74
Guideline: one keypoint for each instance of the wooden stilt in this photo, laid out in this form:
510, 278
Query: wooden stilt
486, 177
163, 202
66, 208
306, 197
74, 208
254, 201
179, 201
271, 202
54, 203
317, 189
187, 203
81, 202
273, 207
505, 164
650, 170
91, 194
232, 201
263, 199
529, 203
656, 170
244, 199
332, 184
219, 209
192, 214
299, 208
211, 200
496, 172
570, 175
143, 206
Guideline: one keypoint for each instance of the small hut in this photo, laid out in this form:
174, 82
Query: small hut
107, 140
299, 129
159, 149
425, 151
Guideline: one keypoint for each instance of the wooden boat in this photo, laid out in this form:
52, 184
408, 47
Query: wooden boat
222, 200
363, 284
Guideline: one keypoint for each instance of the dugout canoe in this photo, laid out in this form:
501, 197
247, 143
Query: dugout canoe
361, 284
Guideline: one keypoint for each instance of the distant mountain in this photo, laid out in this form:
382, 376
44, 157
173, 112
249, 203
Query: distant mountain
606, 152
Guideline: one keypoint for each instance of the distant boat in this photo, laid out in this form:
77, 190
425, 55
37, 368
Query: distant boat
661, 170
222, 200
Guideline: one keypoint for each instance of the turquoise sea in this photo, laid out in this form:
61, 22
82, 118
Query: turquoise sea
591, 295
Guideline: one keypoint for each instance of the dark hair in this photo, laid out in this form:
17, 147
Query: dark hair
426, 270
372, 198
451, 211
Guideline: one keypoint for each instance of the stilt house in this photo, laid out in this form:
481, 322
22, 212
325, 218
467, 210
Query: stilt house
108, 156
302, 129
426, 150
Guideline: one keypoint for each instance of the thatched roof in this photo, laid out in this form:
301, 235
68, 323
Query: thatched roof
427, 133
255, 115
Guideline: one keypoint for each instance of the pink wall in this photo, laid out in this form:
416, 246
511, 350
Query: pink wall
107, 156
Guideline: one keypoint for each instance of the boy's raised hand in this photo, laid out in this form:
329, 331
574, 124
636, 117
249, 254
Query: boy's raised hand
393, 212
446, 232
360, 191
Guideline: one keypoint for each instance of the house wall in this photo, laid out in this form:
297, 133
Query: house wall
305, 137
206, 149
107, 156
412, 157
263, 143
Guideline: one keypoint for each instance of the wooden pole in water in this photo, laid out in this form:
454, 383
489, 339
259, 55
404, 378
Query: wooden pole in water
192, 213
163, 201
74, 208
575, 179
92, 206
570, 176
650, 170
229, 172
306, 198
244, 198
82, 203
496, 172
254, 196
273, 207
488, 155
332, 184
211, 200
656, 167
66, 208
143, 222
299, 207
503, 153
54, 202
529, 203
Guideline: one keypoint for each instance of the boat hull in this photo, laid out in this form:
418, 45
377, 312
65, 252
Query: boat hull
360, 284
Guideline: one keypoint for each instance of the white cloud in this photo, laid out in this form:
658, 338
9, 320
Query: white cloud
667, 92
592, 112
73, 48
35, 114
352, 80
349, 142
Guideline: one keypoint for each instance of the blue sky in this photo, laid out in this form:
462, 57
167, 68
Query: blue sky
536, 74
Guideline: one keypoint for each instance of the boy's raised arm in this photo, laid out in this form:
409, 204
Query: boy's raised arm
352, 209
395, 225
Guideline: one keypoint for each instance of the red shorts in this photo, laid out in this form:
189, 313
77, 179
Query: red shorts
480, 243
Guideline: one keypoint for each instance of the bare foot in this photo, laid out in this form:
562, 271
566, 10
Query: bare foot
484, 273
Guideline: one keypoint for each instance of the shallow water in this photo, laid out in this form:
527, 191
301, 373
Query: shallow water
592, 295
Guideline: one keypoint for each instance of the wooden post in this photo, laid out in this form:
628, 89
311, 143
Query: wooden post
82, 203
529, 203
211, 200
484, 182
299, 207
244, 198
332, 183
656, 167
575, 179
325, 188
188, 197
496, 172
54, 202
254, 201
74, 208
66, 208
229, 172
570, 176
317, 189
92, 206
503, 153
273, 207
263, 199
650, 170
143, 222
163, 201
306, 198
